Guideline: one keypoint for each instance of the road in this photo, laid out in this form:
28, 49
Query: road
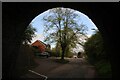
76, 68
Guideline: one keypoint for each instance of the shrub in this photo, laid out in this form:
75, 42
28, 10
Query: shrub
104, 69
96, 55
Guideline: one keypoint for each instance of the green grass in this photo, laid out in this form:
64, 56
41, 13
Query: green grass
62, 61
104, 69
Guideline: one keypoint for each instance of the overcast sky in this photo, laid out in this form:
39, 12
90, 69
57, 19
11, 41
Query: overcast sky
38, 23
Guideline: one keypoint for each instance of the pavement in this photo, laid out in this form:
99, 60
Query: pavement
76, 68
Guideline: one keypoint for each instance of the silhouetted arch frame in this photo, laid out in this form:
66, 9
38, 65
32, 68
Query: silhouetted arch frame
17, 16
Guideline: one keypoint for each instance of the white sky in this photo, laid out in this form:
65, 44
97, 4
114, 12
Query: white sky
38, 24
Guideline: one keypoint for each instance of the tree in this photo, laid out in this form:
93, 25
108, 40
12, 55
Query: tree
62, 27
96, 54
94, 48
48, 48
58, 49
28, 34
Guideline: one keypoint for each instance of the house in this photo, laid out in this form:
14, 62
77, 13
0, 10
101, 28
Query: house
41, 46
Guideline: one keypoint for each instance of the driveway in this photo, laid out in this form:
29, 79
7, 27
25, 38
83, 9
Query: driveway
76, 68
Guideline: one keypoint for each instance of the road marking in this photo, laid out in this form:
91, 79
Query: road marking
38, 74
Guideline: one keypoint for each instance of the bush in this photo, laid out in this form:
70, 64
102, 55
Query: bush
104, 69
96, 55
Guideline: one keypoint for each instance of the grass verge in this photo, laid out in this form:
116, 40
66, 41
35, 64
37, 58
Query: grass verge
104, 69
62, 61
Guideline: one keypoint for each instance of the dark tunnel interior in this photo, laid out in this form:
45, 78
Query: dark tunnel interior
17, 16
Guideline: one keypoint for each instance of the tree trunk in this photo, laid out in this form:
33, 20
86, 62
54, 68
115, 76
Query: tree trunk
63, 52
62, 57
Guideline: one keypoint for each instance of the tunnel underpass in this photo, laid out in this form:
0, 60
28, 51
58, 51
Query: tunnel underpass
17, 16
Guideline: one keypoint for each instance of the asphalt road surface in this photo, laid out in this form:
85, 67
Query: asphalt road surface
76, 68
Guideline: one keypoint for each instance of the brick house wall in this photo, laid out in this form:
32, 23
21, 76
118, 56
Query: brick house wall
40, 45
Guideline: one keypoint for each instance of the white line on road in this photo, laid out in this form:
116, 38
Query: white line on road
39, 74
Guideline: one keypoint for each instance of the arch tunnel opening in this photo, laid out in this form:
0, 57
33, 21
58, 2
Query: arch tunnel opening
91, 31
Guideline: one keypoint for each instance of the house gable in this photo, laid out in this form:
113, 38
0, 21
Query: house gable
40, 45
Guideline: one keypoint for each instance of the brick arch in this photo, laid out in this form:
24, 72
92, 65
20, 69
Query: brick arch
16, 17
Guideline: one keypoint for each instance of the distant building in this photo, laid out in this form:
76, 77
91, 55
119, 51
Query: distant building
41, 46
80, 55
